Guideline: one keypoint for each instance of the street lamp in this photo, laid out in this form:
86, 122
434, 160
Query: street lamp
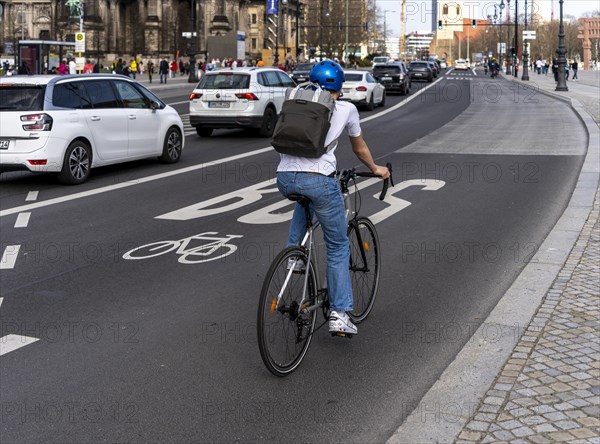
516, 37
501, 7
385, 30
525, 51
192, 78
321, 31
562, 61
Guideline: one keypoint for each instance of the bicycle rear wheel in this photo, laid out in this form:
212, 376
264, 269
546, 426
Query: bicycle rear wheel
284, 331
365, 264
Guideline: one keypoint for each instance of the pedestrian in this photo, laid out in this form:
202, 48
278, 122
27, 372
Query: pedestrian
574, 66
133, 68
181, 67
150, 70
62, 68
88, 68
96, 68
173, 69
23, 70
72, 67
555, 69
312, 177
163, 70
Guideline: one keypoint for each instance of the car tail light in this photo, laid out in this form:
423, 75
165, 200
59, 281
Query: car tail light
247, 96
37, 122
38, 162
361, 88
195, 96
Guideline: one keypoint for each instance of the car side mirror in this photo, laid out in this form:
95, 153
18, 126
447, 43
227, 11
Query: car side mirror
154, 105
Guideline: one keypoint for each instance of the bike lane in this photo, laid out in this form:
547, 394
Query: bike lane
155, 329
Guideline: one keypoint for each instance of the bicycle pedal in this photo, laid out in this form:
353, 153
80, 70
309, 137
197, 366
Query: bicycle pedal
342, 335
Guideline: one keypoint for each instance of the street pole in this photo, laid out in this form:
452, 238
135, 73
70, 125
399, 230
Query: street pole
525, 51
516, 38
192, 78
345, 57
562, 61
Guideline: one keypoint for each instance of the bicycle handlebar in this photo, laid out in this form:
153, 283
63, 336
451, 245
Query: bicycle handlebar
348, 174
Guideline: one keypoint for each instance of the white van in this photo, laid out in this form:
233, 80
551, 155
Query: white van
380, 60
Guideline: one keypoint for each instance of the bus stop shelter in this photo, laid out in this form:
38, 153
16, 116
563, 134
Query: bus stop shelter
40, 56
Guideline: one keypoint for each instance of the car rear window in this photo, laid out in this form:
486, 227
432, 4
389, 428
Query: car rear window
353, 77
304, 66
386, 70
419, 65
22, 97
224, 81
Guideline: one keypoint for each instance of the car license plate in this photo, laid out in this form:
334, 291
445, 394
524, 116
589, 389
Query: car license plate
386, 78
4, 143
218, 104
418, 74
346, 90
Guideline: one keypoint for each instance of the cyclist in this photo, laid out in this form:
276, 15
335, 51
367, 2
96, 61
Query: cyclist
314, 178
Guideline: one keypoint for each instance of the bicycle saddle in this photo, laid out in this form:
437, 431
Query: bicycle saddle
301, 199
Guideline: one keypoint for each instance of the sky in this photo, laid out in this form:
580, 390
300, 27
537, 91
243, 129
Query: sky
418, 12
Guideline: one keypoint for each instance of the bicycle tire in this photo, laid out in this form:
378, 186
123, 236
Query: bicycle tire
364, 275
284, 336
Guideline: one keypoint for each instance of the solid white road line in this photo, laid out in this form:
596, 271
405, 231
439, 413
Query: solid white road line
9, 257
32, 195
10, 343
22, 220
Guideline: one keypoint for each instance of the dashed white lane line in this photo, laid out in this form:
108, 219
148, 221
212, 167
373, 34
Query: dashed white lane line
32, 195
22, 220
9, 257
13, 342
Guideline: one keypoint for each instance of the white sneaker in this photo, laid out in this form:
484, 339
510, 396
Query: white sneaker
296, 264
340, 324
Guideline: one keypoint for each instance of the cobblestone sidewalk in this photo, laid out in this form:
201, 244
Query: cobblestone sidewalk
549, 389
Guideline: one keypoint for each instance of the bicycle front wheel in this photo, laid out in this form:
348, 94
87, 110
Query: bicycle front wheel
284, 327
365, 264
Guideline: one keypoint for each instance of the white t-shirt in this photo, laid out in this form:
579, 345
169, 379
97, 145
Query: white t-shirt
345, 115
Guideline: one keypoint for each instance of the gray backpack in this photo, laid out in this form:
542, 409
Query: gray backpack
304, 122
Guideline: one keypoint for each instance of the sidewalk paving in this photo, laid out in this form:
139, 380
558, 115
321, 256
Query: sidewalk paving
549, 388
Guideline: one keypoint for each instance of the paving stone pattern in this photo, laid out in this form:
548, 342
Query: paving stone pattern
549, 389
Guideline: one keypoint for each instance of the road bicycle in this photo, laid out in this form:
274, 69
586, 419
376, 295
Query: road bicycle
291, 294
215, 248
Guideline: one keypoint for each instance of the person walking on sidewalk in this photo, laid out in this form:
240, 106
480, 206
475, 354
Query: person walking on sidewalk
150, 70
574, 67
163, 70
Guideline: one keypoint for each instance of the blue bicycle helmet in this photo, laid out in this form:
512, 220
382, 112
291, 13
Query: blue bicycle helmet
328, 74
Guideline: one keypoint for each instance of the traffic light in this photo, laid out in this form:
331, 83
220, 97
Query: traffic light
440, 26
513, 52
474, 23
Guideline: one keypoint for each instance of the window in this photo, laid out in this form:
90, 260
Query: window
70, 95
254, 19
285, 80
102, 94
270, 78
22, 98
353, 77
224, 81
254, 43
130, 96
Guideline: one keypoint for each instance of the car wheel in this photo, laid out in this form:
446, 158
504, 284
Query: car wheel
268, 123
204, 132
371, 103
382, 103
77, 163
172, 146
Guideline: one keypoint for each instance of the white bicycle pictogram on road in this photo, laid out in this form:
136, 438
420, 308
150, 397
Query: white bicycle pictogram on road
216, 248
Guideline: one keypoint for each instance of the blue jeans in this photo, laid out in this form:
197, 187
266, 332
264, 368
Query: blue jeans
327, 203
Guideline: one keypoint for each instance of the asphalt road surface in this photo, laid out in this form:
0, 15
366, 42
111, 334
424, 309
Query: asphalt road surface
157, 349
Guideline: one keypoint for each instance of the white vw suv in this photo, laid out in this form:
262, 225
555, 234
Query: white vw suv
249, 97
70, 124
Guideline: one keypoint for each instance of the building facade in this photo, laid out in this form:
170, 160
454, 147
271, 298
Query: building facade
156, 28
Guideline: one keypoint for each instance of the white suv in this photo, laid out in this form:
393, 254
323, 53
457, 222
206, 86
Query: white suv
70, 124
239, 98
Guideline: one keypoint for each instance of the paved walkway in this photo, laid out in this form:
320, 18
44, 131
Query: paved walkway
549, 388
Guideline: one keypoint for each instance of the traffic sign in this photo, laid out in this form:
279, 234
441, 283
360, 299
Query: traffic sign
528, 35
80, 42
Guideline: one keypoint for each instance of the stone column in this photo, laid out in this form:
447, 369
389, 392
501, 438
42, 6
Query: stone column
152, 28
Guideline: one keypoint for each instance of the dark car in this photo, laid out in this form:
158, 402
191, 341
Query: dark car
393, 76
420, 71
302, 72
434, 68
